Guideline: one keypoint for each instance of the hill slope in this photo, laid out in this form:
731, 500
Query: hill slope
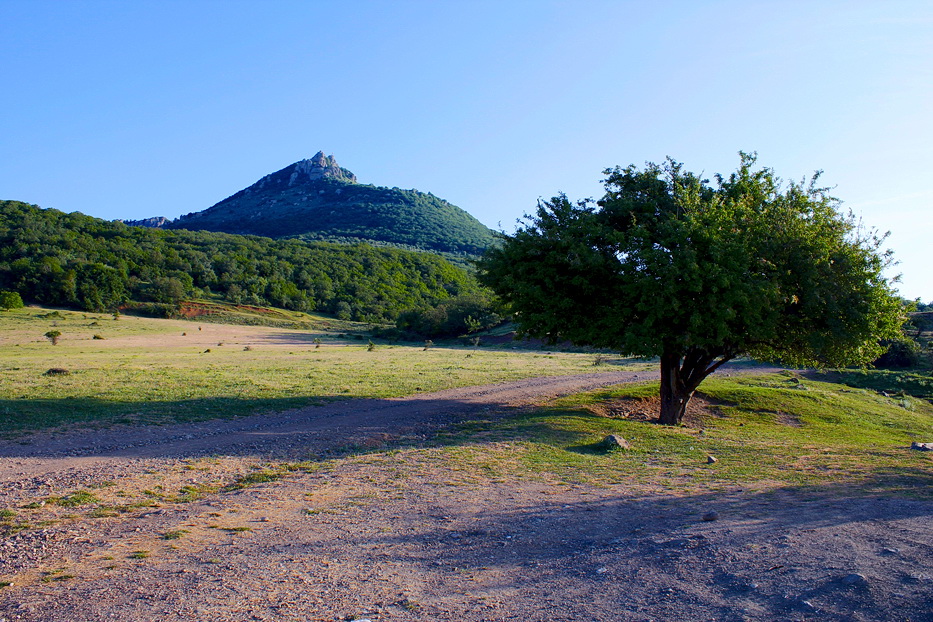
78, 261
317, 198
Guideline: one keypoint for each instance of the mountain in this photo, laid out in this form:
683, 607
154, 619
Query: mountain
318, 199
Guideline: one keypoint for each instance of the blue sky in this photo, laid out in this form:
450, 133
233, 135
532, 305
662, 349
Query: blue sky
134, 109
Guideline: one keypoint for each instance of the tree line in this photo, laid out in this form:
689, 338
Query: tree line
73, 260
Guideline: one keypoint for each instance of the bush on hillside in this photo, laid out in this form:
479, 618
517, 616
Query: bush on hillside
901, 354
452, 317
10, 300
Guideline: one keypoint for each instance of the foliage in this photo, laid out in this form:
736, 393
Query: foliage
74, 260
53, 336
10, 300
668, 265
900, 353
453, 317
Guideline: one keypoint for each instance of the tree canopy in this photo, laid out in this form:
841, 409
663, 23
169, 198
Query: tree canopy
668, 264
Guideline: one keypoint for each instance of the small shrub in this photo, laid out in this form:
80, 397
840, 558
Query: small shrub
901, 354
57, 371
174, 535
139, 554
53, 336
371, 346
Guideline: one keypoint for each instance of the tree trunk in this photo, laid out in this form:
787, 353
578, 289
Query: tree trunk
674, 394
681, 374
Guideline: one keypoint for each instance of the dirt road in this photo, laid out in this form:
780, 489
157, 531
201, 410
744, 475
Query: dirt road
385, 537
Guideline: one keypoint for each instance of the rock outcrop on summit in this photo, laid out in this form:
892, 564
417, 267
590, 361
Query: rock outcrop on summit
317, 199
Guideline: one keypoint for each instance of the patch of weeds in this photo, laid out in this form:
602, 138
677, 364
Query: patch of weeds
56, 575
235, 529
104, 484
6, 583
145, 503
104, 511
7, 514
75, 499
251, 479
410, 605
139, 555
10, 529
174, 535
192, 492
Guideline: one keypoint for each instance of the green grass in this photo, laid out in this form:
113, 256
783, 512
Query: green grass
75, 499
116, 381
251, 479
769, 429
893, 382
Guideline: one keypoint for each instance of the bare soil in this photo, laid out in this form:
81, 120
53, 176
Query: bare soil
381, 537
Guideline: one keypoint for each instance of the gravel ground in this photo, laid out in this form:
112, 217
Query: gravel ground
384, 537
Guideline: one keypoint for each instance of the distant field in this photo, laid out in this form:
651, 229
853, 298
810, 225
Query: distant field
159, 371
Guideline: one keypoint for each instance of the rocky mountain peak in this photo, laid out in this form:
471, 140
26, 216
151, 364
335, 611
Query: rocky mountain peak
319, 167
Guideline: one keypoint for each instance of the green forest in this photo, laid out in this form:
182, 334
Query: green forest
73, 260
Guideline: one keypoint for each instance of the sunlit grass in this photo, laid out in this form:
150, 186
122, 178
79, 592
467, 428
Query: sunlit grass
762, 430
158, 371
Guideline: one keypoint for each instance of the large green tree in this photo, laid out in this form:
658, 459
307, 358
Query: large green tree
668, 264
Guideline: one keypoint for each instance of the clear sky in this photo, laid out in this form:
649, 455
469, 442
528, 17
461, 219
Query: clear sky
134, 109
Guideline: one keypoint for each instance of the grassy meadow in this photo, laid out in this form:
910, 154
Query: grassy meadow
764, 431
851, 427
140, 370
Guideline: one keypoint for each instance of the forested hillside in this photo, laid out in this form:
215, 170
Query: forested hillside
316, 198
75, 260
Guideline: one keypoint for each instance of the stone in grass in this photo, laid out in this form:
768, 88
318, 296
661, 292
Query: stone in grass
57, 371
922, 446
613, 442
711, 516
711, 460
